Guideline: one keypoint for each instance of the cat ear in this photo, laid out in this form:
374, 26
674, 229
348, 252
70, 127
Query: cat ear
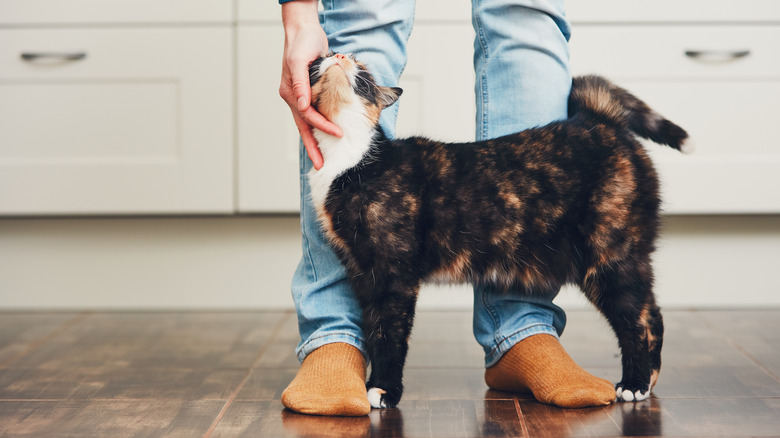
388, 95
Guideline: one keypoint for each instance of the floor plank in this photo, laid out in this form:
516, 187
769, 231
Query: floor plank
115, 418
107, 382
755, 333
182, 373
158, 340
21, 333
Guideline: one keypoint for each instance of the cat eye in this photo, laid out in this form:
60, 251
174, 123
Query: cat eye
364, 85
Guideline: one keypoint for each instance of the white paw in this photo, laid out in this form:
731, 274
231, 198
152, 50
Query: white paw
688, 146
626, 395
375, 398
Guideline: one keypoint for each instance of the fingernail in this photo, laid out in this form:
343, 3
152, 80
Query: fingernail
301, 103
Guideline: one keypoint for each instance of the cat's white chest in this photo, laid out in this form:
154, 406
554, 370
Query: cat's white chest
319, 185
340, 154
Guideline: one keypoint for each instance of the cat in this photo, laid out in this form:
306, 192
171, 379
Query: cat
573, 202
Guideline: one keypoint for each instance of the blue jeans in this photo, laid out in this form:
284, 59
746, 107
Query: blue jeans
522, 80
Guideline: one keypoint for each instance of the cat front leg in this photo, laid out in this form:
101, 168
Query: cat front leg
388, 316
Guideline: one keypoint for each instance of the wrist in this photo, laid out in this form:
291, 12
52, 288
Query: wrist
299, 14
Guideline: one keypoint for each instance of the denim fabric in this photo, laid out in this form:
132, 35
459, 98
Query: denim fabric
375, 31
521, 61
523, 80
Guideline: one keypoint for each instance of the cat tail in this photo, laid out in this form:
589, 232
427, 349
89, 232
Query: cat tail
598, 97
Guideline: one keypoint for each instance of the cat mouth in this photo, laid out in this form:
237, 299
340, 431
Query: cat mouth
344, 63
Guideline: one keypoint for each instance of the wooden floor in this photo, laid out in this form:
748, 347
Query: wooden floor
221, 374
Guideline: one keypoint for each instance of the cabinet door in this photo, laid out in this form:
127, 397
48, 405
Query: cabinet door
267, 11
268, 175
102, 12
725, 97
116, 121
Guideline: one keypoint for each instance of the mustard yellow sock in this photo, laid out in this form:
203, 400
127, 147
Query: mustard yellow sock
331, 381
539, 364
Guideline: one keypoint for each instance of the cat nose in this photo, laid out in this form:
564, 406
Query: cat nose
340, 56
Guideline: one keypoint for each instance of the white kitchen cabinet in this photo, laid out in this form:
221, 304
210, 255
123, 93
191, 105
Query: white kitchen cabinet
672, 11
268, 175
174, 109
719, 82
116, 120
268, 11
103, 12
725, 99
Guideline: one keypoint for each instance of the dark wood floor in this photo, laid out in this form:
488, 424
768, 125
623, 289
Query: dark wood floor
221, 374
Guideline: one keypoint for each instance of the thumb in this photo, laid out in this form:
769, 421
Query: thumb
301, 88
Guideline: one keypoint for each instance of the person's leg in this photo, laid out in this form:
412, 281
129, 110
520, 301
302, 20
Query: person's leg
521, 62
331, 380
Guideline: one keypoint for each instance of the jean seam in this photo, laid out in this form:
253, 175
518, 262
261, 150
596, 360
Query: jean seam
405, 53
305, 237
482, 74
494, 316
332, 7
395, 108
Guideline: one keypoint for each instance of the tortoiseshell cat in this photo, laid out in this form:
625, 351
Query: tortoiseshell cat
575, 201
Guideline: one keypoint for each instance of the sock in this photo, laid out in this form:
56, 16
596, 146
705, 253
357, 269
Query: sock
331, 381
539, 364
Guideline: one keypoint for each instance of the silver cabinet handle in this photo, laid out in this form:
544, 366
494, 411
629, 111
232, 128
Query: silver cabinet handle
33, 56
717, 54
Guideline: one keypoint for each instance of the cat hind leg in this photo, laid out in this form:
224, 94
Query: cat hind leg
624, 296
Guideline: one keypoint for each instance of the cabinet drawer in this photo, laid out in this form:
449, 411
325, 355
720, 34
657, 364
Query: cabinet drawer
727, 103
660, 51
138, 122
42, 12
668, 11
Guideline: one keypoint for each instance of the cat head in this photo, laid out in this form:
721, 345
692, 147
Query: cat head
339, 84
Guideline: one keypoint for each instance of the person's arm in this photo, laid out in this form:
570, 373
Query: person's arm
304, 41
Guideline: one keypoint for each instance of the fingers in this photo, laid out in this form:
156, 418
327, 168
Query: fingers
300, 83
301, 90
309, 142
306, 120
312, 150
317, 120
304, 41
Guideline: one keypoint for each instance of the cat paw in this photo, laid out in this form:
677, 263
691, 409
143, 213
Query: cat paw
626, 394
381, 399
375, 398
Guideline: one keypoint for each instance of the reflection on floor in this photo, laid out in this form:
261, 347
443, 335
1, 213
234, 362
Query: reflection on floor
221, 374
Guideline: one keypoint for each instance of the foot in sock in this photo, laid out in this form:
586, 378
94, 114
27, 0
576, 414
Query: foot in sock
331, 381
539, 364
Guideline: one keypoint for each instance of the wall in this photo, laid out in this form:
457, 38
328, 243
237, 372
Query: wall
246, 263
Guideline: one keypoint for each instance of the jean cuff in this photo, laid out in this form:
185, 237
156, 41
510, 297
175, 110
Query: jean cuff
506, 343
331, 338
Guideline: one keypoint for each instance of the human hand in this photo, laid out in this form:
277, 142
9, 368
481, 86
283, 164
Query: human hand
304, 41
